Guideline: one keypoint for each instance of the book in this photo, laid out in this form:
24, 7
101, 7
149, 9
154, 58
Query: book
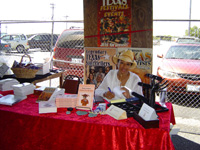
85, 96
67, 100
11, 99
47, 107
50, 94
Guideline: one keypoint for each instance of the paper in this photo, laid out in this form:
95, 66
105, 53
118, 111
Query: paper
148, 113
116, 112
118, 92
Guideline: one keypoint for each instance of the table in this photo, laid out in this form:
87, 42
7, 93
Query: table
39, 78
21, 127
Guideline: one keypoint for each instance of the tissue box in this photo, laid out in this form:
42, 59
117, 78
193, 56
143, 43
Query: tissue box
23, 89
45, 67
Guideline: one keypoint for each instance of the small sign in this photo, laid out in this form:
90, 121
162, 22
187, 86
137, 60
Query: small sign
148, 113
116, 112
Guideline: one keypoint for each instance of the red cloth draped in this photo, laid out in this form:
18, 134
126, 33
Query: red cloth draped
22, 127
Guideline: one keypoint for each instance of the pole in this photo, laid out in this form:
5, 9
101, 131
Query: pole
52, 18
66, 20
189, 18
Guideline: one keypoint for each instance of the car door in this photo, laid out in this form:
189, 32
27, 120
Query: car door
12, 39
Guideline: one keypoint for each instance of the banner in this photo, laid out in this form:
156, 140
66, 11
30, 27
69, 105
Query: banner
143, 58
114, 23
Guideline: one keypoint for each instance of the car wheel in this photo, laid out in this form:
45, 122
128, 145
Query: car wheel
20, 49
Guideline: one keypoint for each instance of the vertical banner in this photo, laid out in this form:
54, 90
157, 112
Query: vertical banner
143, 58
98, 62
114, 23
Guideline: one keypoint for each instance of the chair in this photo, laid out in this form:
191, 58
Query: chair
71, 84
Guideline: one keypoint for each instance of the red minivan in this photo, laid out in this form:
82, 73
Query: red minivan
69, 52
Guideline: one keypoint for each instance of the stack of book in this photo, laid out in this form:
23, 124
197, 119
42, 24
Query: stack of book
6, 84
64, 101
11, 99
23, 89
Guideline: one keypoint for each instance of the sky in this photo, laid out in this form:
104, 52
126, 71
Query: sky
42, 10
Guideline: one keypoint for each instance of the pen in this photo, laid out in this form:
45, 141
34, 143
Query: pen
109, 89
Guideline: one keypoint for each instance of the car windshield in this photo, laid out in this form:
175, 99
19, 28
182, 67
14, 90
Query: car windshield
183, 52
71, 39
185, 40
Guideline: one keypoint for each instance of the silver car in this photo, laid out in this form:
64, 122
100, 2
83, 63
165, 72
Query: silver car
18, 42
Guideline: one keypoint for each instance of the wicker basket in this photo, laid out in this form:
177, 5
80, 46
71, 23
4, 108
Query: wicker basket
24, 72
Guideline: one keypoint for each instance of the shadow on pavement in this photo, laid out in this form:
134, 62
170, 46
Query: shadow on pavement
181, 143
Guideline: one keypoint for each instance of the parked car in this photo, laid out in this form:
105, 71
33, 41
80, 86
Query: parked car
5, 45
180, 67
187, 39
17, 41
42, 41
68, 52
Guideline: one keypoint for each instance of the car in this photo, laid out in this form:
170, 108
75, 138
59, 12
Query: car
156, 42
5, 45
18, 42
42, 41
69, 51
187, 39
180, 68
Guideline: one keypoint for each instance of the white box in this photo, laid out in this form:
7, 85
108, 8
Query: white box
45, 67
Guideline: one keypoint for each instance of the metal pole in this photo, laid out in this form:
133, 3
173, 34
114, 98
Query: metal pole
52, 27
189, 18
52, 18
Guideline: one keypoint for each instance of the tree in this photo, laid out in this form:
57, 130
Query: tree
194, 31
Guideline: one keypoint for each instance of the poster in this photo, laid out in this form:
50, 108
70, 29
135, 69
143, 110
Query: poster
98, 62
114, 23
143, 58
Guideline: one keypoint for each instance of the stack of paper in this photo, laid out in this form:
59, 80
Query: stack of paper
47, 107
6, 84
23, 89
64, 101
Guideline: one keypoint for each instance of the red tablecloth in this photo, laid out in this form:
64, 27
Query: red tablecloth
22, 127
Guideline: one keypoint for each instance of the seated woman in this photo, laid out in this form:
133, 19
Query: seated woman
120, 80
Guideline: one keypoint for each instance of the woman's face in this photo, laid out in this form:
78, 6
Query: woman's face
91, 76
124, 66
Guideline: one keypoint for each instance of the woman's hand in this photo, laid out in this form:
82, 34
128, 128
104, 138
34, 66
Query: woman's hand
126, 93
109, 95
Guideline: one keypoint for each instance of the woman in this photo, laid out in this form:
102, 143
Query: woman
90, 79
119, 84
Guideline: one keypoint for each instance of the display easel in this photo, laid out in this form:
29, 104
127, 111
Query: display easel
156, 86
